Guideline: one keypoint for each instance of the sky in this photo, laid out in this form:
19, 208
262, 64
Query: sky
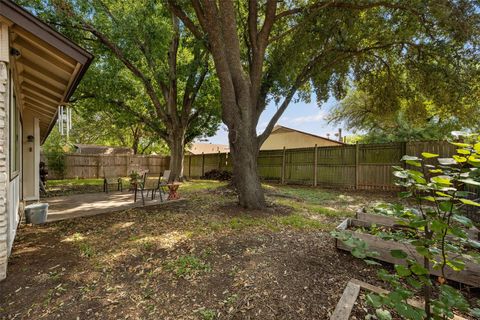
307, 117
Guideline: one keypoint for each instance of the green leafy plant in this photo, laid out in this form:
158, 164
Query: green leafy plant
440, 190
207, 314
186, 266
56, 162
55, 149
134, 176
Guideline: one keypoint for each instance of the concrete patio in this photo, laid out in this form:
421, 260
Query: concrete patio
89, 204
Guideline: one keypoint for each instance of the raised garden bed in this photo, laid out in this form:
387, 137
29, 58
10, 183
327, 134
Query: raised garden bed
473, 233
351, 293
470, 275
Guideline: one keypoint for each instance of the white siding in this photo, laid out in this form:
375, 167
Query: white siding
4, 221
13, 209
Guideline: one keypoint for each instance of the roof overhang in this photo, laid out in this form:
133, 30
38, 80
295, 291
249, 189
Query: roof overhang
47, 66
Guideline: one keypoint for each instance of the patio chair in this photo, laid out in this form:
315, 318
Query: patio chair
111, 179
150, 185
162, 184
139, 186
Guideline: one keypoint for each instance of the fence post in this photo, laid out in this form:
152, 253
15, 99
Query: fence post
315, 162
357, 173
127, 164
99, 160
189, 166
283, 166
149, 164
203, 164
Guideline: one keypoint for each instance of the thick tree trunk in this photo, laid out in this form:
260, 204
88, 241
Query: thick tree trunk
244, 150
177, 147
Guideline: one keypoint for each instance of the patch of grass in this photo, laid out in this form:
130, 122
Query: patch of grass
316, 209
300, 222
207, 314
48, 297
198, 185
86, 250
311, 195
214, 226
275, 223
231, 299
147, 245
186, 266
245, 222
330, 212
75, 182
240, 223
52, 293
54, 275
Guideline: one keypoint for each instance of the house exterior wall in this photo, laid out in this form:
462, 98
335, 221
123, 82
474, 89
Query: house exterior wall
56, 65
292, 140
31, 157
10, 187
13, 156
4, 229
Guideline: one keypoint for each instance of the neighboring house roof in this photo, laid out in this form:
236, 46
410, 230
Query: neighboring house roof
206, 148
300, 139
49, 65
282, 129
283, 137
96, 149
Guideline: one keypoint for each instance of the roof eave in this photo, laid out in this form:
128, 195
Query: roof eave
40, 29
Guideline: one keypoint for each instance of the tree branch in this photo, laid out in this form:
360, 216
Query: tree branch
171, 95
150, 141
252, 23
344, 5
178, 11
193, 84
303, 77
259, 44
121, 56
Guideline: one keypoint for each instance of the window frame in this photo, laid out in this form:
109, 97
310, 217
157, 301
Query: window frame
14, 132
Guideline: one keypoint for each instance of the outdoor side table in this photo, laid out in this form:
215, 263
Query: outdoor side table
172, 191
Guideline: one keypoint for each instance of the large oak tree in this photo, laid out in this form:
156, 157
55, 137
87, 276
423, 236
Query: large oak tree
283, 50
147, 68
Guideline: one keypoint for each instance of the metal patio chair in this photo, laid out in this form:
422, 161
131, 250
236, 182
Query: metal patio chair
111, 179
162, 183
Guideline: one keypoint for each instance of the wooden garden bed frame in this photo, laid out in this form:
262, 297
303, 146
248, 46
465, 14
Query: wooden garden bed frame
473, 233
350, 295
470, 275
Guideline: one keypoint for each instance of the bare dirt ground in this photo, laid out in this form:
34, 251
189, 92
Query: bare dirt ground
203, 258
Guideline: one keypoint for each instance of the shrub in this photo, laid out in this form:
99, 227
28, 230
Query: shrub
56, 162
220, 175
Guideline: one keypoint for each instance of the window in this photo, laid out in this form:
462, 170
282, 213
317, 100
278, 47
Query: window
15, 139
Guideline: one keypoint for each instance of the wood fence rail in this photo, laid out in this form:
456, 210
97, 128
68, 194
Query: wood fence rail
360, 166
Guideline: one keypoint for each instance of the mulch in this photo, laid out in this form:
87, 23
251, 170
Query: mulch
255, 275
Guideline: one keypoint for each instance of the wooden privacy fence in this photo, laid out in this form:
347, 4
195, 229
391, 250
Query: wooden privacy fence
361, 166
86, 166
